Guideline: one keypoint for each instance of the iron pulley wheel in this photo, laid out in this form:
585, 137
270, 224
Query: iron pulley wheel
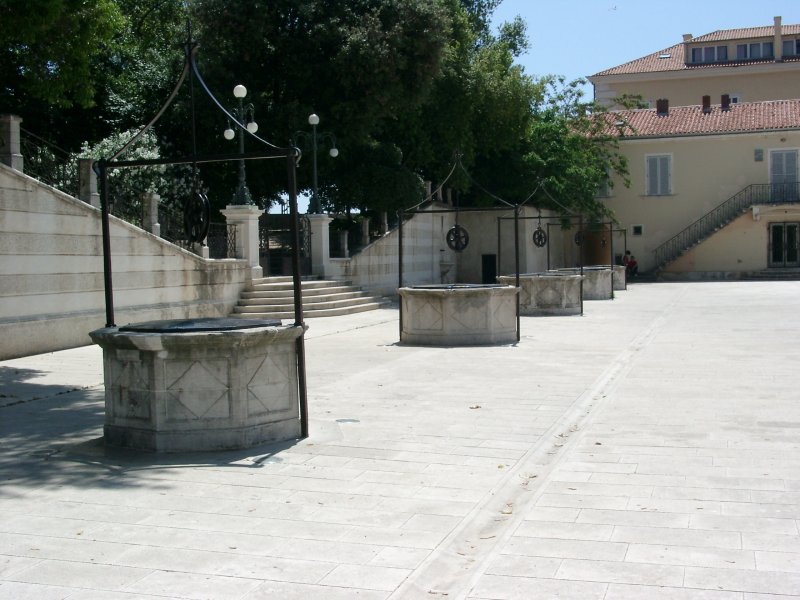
196, 217
539, 238
457, 238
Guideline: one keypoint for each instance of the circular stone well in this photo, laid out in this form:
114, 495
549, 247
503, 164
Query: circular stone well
459, 314
200, 384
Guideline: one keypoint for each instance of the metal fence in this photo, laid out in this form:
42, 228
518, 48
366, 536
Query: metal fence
48, 163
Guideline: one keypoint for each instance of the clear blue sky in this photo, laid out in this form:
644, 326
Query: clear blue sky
577, 38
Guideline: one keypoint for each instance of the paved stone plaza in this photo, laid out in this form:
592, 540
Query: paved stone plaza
649, 449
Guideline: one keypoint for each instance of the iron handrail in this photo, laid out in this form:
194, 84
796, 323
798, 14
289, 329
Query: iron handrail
757, 193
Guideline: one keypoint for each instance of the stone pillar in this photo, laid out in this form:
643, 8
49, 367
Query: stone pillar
365, 231
245, 218
151, 224
384, 223
87, 182
320, 244
9, 141
343, 243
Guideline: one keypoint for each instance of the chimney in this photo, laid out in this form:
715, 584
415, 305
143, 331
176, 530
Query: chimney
778, 43
662, 107
706, 104
686, 39
726, 102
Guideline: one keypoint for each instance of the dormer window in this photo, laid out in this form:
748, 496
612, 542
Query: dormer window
710, 54
754, 51
791, 47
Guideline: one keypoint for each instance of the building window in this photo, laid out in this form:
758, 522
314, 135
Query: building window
709, 54
791, 47
637, 230
754, 51
659, 175
604, 189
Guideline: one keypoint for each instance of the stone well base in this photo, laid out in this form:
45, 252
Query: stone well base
459, 315
547, 294
597, 283
207, 390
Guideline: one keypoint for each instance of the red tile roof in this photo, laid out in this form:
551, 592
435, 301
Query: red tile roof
672, 58
725, 35
691, 120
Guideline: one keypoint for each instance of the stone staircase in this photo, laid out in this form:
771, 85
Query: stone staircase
722, 215
775, 274
273, 298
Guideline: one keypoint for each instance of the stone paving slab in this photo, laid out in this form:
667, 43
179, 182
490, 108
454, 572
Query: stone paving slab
648, 449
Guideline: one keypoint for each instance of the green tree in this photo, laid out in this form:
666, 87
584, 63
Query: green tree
357, 64
78, 71
575, 150
48, 47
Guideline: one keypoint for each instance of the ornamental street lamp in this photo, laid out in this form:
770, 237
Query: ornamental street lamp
243, 114
313, 120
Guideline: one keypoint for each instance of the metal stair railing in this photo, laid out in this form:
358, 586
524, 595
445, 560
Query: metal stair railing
757, 193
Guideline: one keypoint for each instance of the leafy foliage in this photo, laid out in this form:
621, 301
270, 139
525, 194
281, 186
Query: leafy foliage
47, 49
403, 85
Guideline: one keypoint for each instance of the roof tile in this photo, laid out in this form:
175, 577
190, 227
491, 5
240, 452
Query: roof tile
691, 120
672, 58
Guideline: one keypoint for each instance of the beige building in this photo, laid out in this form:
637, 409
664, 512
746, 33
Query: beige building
714, 164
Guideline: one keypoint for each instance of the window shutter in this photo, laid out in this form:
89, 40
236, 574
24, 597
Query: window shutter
652, 175
664, 175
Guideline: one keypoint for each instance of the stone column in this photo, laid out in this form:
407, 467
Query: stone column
87, 182
9, 141
343, 243
320, 244
151, 224
384, 223
365, 231
245, 218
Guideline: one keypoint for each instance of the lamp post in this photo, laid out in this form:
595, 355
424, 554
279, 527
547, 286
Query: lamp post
313, 120
243, 114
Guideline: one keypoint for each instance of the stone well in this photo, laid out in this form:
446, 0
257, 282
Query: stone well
547, 294
620, 279
598, 281
201, 384
459, 315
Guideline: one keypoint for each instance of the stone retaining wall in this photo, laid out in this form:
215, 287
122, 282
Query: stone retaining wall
51, 272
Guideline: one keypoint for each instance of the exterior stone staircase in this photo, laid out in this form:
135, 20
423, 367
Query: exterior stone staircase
273, 298
719, 217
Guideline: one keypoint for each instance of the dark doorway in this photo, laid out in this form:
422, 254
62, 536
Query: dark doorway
784, 244
489, 268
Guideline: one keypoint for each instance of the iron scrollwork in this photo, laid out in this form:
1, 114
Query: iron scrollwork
457, 238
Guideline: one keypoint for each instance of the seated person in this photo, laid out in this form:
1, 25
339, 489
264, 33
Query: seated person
632, 268
627, 258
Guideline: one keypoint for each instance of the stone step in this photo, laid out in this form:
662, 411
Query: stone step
289, 306
306, 284
307, 292
273, 297
288, 300
773, 275
317, 312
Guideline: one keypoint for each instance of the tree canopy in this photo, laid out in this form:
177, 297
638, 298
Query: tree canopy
402, 84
